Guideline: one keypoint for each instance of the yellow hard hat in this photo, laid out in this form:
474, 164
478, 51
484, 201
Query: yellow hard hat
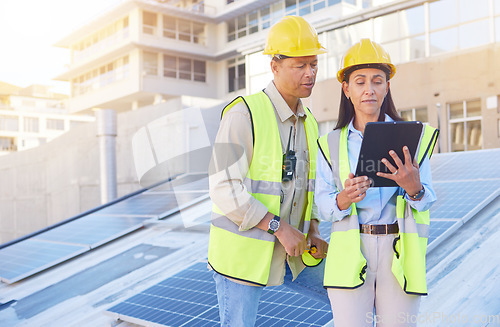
293, 36
362, 53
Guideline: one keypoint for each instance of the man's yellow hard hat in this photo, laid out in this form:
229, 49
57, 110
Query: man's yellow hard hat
293, 36
365, 52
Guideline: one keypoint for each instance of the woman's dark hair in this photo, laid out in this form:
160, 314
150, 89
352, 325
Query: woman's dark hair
346, 110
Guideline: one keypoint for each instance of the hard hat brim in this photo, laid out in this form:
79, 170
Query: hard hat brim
301, 53
340, 73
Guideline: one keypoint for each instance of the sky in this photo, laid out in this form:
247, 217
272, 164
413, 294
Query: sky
28, 30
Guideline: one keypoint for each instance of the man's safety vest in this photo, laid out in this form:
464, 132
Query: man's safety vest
345, 264
246, 255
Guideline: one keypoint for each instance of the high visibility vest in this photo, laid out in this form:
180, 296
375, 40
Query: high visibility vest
246, 255
345, 264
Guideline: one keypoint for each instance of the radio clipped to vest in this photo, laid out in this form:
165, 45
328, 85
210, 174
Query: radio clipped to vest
289, 161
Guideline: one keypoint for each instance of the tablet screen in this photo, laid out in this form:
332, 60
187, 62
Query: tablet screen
381, 137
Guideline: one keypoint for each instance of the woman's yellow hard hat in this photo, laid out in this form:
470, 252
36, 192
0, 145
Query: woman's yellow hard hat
363, 53
293, 36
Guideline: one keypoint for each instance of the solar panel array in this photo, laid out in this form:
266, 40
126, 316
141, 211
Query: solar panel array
464, 182
25, 258
53, 246
189, 299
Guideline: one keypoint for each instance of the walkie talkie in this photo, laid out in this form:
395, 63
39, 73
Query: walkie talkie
289, 161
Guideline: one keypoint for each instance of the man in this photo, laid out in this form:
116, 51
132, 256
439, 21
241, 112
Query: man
261, 179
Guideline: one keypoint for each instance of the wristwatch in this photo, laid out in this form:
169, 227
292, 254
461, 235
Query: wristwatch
274, 224
417, 196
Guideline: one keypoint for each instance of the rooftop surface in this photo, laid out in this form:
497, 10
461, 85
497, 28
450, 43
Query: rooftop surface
153, 270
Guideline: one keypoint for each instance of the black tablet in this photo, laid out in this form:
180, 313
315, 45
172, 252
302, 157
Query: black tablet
381, 137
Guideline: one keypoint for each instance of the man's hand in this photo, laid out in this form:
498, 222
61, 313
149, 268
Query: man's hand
292, 239
314, 239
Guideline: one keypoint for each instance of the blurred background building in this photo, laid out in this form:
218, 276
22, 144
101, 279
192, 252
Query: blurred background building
145, 52
32, 116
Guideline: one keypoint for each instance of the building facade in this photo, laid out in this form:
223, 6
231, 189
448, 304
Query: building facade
32, 116
143, 52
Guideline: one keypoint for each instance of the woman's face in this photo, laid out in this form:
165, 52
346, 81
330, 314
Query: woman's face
367, 88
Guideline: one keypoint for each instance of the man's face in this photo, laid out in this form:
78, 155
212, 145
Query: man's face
295, 77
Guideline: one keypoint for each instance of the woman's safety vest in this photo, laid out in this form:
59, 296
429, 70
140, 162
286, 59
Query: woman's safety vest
345, 264
246, 255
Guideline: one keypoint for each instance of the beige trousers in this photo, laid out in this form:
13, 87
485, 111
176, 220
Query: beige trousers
380, 301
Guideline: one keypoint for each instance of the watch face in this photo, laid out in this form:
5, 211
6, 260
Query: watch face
420, 194
274, 225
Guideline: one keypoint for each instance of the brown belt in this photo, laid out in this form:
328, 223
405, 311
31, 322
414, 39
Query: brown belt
379, 229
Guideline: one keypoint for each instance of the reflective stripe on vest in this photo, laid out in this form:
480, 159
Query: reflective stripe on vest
246, 255
345, 264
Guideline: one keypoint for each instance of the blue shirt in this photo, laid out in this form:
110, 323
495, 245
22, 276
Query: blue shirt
379, 205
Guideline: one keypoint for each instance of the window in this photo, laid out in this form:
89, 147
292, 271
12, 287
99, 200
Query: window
419, 114
198, 33
465, 126
236, 74
9, 123
149, 22
102, 76
7, 144
199, 69
184, 68
317, 5
169, 27
31, 124
150, 62
241, 26
108, 35
253, 22
169, 66
304, 7
231, 31
183, 30
122, 69
443, 13
55, 124
265, 16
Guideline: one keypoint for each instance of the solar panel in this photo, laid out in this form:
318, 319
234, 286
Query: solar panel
147, 204
42, 251
25, 258
189, 299
185, 182
92, 230
464, 182
457, 199
440, 230
471, 165
196, 185
30, 256
154, 204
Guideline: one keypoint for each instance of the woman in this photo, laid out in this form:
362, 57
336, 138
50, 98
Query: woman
375, 267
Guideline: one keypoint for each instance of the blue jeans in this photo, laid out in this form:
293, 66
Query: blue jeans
238, 304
